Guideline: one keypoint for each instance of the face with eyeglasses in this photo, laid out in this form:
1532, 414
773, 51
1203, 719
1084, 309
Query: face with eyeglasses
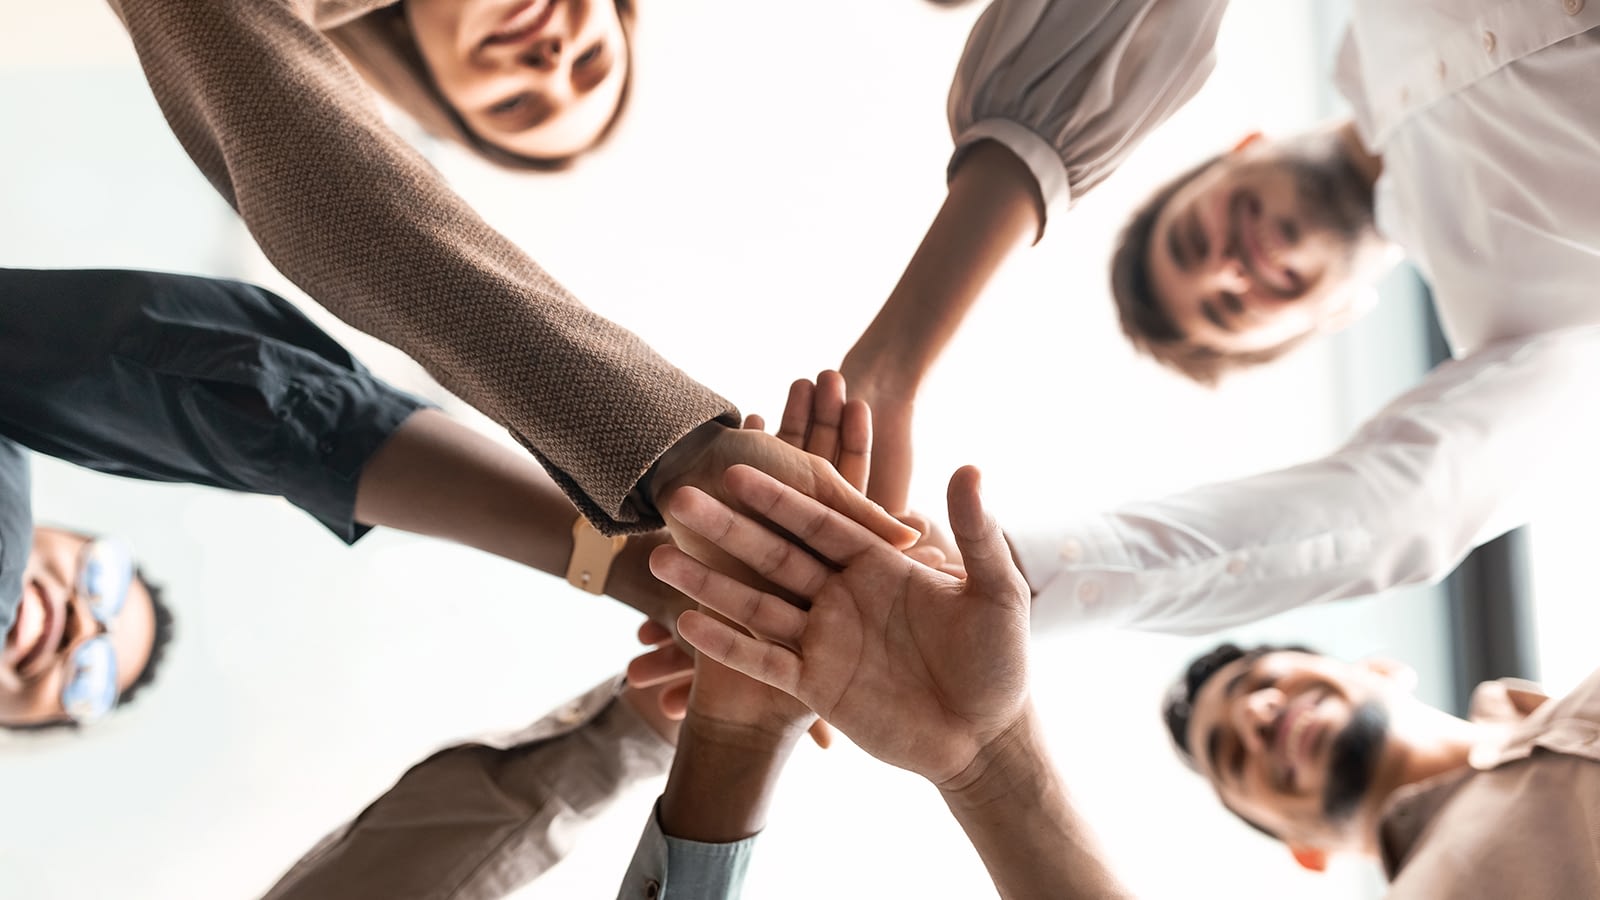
82, 635
536, 78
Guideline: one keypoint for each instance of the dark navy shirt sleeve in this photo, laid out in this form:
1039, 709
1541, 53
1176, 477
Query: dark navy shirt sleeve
16, 529
184, 379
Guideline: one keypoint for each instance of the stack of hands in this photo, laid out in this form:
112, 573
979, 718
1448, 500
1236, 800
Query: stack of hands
917, 654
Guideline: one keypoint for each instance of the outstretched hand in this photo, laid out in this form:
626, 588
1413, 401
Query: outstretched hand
818, 420
921, 669
700, 458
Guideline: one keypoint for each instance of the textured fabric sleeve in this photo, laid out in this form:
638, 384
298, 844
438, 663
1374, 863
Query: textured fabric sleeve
669, 868
1072, 86
1465, 456
284, 129
477, 821
16, 529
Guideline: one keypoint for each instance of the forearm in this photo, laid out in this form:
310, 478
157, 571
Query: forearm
1469, 453
283, 128
440, 478
722, 780
1018, 817
992, 210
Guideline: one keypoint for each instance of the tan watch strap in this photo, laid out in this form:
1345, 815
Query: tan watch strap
592, 553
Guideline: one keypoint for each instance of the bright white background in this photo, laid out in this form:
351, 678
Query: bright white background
777, 168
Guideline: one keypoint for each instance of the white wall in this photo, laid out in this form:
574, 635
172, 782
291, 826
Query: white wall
775, 172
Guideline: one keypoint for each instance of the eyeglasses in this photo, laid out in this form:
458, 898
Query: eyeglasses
105, 572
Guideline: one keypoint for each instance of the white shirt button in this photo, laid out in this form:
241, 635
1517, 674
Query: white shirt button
1573, 7
1489, 42
1236, 565
1072, 550
572, 714
1089, 593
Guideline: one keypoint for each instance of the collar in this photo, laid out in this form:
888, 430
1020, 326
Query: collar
1519, 718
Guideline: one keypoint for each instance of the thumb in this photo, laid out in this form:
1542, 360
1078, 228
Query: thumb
983, 546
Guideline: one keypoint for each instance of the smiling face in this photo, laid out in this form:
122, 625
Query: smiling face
53, 620
541, 79
1291, 742
1266, 245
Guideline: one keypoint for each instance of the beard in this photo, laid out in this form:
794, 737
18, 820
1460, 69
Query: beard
1353, 760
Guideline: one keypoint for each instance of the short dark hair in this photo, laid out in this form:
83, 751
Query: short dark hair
1146, 322
1178, 707
160, 637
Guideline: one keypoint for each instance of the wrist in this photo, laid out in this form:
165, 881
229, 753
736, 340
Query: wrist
631, 582
679, 459
1012, 763
877, 370
769, 733
722, 781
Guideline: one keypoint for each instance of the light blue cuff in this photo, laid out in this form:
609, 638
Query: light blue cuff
669, 868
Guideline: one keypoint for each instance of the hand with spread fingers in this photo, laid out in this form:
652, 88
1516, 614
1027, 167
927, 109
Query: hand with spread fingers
921, 669
737, 731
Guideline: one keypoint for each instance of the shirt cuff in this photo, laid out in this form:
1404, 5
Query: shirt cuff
1078, 575
1038, 154
669, 868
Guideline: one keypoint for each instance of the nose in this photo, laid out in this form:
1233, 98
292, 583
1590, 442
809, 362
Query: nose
81, 623
1224, 272
544, 54
1254, 715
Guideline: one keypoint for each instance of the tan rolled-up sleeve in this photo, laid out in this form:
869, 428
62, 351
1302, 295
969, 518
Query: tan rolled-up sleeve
283, 127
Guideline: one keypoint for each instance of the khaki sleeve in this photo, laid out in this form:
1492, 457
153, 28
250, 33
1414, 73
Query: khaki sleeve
284, 129
475, 821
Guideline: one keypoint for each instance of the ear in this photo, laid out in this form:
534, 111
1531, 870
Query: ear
1393, 671
1251, 138
1309, 858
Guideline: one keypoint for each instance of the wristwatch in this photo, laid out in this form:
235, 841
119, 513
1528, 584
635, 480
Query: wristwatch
592, 553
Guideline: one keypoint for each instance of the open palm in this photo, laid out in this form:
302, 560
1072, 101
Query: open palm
919, 668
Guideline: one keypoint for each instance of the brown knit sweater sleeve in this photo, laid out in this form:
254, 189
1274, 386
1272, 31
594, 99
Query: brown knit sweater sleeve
285, 130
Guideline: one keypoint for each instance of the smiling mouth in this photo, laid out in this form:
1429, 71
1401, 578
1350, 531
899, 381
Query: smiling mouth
51, 633
524, 22
1298, 737
1245, 224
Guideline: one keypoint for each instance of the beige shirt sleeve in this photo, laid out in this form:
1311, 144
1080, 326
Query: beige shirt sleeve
479, 820
285, 130
1072, 86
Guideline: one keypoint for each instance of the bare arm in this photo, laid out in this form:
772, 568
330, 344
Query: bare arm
1016, 812
993, 210
440, 478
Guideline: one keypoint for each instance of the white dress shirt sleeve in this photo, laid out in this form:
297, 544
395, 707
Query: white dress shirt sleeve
1072, 86
1454, 462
